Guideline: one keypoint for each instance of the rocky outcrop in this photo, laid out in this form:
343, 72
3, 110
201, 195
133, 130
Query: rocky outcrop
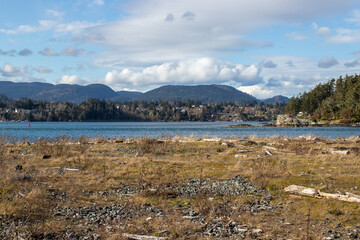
287, 121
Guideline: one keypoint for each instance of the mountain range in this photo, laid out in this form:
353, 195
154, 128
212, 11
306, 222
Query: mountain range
76, 93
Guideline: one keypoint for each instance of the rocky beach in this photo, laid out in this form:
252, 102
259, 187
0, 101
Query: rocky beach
180, 188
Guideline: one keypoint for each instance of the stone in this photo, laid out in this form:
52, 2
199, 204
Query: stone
257, 231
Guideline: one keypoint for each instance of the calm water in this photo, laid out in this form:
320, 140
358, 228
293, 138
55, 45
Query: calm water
20, 130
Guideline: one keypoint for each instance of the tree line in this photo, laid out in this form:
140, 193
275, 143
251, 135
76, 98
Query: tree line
102, 110
335, 100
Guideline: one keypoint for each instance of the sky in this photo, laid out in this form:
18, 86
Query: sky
261, 47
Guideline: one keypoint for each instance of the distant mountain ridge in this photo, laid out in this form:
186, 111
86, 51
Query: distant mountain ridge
76, 93
276, 99
202, 93
63, 92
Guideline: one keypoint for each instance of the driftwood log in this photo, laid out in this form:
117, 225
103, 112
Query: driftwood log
141, 237
312, 192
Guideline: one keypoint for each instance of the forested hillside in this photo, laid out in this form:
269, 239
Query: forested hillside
200, 93
335, 100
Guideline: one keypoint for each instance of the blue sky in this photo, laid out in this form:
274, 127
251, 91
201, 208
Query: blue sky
261, 47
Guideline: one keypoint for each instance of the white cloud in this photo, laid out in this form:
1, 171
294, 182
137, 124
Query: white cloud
323, 30
74, 79
355, 17
257, 91
345, 35
286, 85
11, 52
59, 28
54, 13
294, 75
194, 71
43, 25
10, 71
43, 70
315, 26
73, 52
216, 26
48, 52
342, 35
25, 52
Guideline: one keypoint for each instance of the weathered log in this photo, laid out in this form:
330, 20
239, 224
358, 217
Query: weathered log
140, 237
348, 197
343, 152
305, 191
312, 192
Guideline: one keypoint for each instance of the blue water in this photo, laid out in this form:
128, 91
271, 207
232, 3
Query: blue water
20, 130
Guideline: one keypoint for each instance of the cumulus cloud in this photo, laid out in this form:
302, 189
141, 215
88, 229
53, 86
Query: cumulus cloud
269, 64
289, 81
257, 91
323, 30
9, 70
345, 35
48, 52
44, 70
287, 85
25, 52
73, 52
327, 62
352, 64
73, 79
11, 52
194, 71
341, 35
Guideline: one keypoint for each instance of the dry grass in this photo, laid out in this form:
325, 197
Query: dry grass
29, 171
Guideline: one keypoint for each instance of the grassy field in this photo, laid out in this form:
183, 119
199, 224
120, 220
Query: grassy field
178, 188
